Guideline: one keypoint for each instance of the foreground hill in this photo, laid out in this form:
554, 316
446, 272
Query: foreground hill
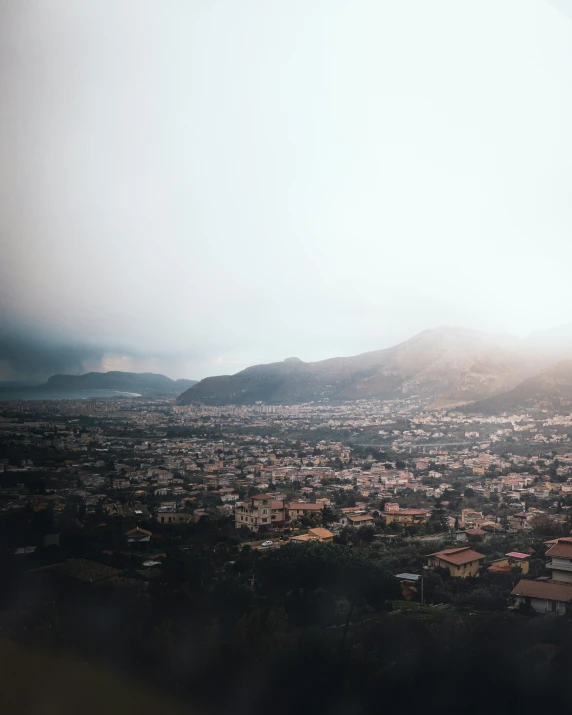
450, 366
144, 383
550, 389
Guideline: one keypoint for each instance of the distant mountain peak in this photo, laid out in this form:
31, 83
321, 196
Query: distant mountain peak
446, 365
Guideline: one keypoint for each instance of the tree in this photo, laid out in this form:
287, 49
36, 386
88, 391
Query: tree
328, 515
366, 534
335, 571
438, 520
543, 525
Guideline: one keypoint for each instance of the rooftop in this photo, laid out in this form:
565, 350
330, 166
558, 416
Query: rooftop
463, 555
321, 532
362, 517
562, 549
543, 589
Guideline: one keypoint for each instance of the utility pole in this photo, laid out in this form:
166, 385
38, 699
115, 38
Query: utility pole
422, 594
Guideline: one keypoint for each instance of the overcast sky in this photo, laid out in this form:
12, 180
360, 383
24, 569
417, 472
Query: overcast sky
192, 186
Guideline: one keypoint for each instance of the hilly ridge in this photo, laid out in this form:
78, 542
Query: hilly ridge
118, 380
115, 381
550, 389
444, 366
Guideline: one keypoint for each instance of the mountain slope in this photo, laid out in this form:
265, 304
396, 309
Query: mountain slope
450, 365
550, 389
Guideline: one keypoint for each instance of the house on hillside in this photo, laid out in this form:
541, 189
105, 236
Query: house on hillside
560, 560
461, 562
469, 517
138, 535
168, 518
544, 596
297, 510
261, 510
359, 520
317, 534
406, 516
509, 561
554, 596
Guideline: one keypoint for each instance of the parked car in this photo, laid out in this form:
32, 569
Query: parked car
265, 544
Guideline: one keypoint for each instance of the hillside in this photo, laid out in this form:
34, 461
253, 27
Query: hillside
550, 389
116, 380
448, 366
144, 383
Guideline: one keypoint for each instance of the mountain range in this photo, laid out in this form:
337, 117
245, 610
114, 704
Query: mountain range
94, 383
445, 367
550, 389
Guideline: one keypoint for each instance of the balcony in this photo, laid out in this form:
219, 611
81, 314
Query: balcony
559, 565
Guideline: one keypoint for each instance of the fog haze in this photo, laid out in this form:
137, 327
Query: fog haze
193, 187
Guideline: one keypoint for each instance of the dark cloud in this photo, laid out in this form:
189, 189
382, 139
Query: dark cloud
30, 357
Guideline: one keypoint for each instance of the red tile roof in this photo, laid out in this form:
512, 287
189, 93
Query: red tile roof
138, 530
302, 506
321, 533
464, 555
360, 517
475, 532
543, 589
562, 548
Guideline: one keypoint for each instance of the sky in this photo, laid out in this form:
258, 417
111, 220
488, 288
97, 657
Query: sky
194, 186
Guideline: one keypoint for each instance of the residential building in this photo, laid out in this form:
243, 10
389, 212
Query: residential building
544, 596
461, 562
359, 520
296, 510
406, 516
172, 519
509, 561
261, 510
560, 560
470, 516
138, 535
318, 534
